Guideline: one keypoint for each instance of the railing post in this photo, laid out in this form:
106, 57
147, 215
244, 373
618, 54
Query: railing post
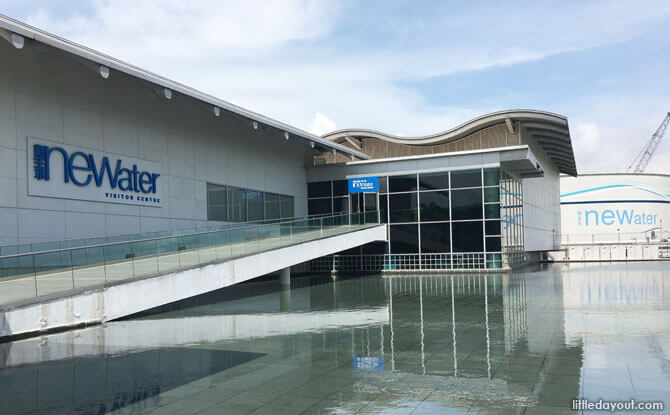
34, 274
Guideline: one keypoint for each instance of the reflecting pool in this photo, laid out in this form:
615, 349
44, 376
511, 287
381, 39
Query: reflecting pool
524, 343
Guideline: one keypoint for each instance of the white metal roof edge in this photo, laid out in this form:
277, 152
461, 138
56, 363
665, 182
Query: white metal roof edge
65, 45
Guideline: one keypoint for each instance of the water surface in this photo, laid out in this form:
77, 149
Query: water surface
523, 343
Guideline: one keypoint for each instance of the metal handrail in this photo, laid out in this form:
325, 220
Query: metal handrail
38, 274
158, 238
215, 228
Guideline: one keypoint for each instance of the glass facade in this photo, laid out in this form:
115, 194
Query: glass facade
511, 213
234, 204
459, 219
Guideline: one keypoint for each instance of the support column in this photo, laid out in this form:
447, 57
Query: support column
285, 277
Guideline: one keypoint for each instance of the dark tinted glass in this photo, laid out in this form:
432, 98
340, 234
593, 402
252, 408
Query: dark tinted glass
255, 208
286, 208
382, 185
492, 211
466, 178
340, 188
493, 244
340, 204
435, 237
271, 206
404, 239
383, 209
492, 227
375, 248
402, 183
370, 201
318, 206
431, 181
466, 204
434, 205
491, 176
237, 209
217, 202
467, 236
403, 207
491, 194
318, 189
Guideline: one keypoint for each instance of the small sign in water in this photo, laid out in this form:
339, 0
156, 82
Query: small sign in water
369, 363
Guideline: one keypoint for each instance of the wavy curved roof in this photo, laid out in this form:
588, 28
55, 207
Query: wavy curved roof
549, 130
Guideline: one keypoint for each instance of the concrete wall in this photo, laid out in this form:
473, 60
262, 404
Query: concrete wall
541, 203
47, 95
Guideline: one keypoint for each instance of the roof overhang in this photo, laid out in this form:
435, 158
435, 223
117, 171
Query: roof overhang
549, 130
16, 33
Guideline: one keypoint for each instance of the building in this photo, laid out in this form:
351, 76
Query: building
614, 216
91, 146
482, 195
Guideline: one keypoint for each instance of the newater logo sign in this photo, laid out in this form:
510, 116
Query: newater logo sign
615, 217
58, 170
364, 184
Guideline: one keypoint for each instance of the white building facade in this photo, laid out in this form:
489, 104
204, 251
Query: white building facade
612, 208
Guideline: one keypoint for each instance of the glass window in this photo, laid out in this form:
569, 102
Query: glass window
271, 206
466, 178
466, 204
491, 194
370, 201
340, 188
318, 189
403, 207
382, 185
402, 183
492, 227
493, 244
434, 206
237, 210
319, 206
433, 181
255, 208
435, 237
404, 239
468, 236
383, 211
491, 176
286, 208
340, 204
492, 211
217, 202
374, 248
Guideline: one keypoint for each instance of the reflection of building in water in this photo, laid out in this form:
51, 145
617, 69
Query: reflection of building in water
479, 338
485, 330
616, 291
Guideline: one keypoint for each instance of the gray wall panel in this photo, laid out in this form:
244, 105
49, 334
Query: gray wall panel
49, 96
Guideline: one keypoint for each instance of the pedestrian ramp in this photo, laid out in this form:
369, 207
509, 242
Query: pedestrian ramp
59, 288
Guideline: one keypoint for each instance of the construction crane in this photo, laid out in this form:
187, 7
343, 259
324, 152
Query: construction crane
649, 149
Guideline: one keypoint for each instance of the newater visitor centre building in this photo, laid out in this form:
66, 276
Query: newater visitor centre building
91, 147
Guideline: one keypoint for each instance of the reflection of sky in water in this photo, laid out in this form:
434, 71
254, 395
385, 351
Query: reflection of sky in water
526, 342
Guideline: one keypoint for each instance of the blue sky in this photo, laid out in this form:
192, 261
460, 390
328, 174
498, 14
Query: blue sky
403, 67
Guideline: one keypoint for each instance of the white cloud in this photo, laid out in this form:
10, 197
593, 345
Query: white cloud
282, 58
321, 124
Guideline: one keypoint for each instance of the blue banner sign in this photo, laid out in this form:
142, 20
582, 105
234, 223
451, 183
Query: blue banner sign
368, 363
364, 184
